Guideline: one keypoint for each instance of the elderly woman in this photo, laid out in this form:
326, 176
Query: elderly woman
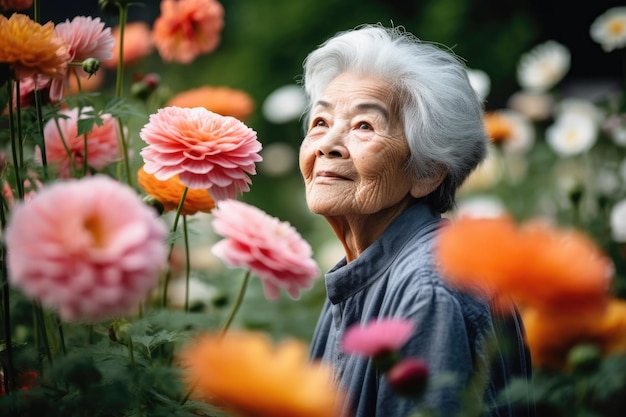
393, 129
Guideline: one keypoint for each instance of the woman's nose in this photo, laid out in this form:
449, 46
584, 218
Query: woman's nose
332, 146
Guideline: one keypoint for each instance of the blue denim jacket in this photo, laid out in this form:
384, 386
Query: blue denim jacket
397, 277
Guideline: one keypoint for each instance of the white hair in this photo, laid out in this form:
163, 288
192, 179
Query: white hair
441, 113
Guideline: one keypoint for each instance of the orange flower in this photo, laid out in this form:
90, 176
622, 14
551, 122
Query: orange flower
187, 28
535, 265
551, 336
30, 48
137, 44
249, 376
498, 127
170, 192
15, 4
220, 100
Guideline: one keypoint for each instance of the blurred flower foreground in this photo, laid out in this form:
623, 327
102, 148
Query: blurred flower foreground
119, 215
123, 230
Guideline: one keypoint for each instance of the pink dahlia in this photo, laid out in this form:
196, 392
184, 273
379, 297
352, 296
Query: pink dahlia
187, 28
378, 337
89, 249
205, 149
272, 250
65, 148
87, 38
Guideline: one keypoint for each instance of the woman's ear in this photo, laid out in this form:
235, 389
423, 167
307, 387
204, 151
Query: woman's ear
424, 186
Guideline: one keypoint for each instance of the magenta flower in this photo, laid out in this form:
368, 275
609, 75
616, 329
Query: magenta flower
65, 148
89, 249
205, 149
272, 250
409, 377
378, 337
87, 38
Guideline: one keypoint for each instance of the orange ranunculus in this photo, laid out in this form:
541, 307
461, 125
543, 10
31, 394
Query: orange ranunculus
551, 335
15, 4
187, 28
248, 375
170, 192
222, 100
498, 127
137, 44
535, 264
30, 48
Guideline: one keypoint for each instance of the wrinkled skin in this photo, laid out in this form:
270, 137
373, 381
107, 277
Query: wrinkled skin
353, 160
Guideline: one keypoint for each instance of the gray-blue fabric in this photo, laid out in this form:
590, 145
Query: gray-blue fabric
396, 277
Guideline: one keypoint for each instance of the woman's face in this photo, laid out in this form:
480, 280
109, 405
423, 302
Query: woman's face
354, 155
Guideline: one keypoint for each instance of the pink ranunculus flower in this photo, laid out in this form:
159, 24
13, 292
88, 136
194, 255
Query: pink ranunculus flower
90, 249
87, 37
205, 149
187, 28
61, 136
378, 337
271, 249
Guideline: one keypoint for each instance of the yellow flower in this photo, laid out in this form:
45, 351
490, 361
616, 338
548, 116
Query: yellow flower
249, 376
170, 192
30, 48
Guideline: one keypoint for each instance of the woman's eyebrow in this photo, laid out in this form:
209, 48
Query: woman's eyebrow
367, 106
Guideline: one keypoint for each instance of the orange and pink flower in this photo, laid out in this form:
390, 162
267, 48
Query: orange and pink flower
65, 148
205, 149
187, 28
271, 249
89, 249
30, 48
377, 337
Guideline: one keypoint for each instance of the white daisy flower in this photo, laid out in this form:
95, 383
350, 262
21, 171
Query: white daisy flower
480, 82
285, 104
618, 221
534, 105
581, 107
572, 134
543, 67
609, 29
279, 158
480, 206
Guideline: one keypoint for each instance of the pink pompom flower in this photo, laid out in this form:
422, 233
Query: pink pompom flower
86, 37
205, 149
65, 148
89, 249
271, 249
379, 337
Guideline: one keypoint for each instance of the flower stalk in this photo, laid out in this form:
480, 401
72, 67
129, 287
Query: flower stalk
168, 274
238, 302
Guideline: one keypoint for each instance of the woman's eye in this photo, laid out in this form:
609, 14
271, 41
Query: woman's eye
318, 122
364, 125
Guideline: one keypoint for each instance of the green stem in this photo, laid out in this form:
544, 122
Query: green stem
14, 144
85, 162
61, 336
43, 331
131, 353
238, 302
44, 156
187, 263
18, 121
168, 275
9, 382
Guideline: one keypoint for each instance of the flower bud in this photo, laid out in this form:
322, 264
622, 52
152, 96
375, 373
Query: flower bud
113, 6
409, 377
91, 66
118, 331
584, 357
154, 203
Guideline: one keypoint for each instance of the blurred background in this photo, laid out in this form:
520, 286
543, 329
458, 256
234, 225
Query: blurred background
264, 43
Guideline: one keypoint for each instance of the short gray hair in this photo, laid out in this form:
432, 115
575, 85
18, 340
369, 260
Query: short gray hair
441, 112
